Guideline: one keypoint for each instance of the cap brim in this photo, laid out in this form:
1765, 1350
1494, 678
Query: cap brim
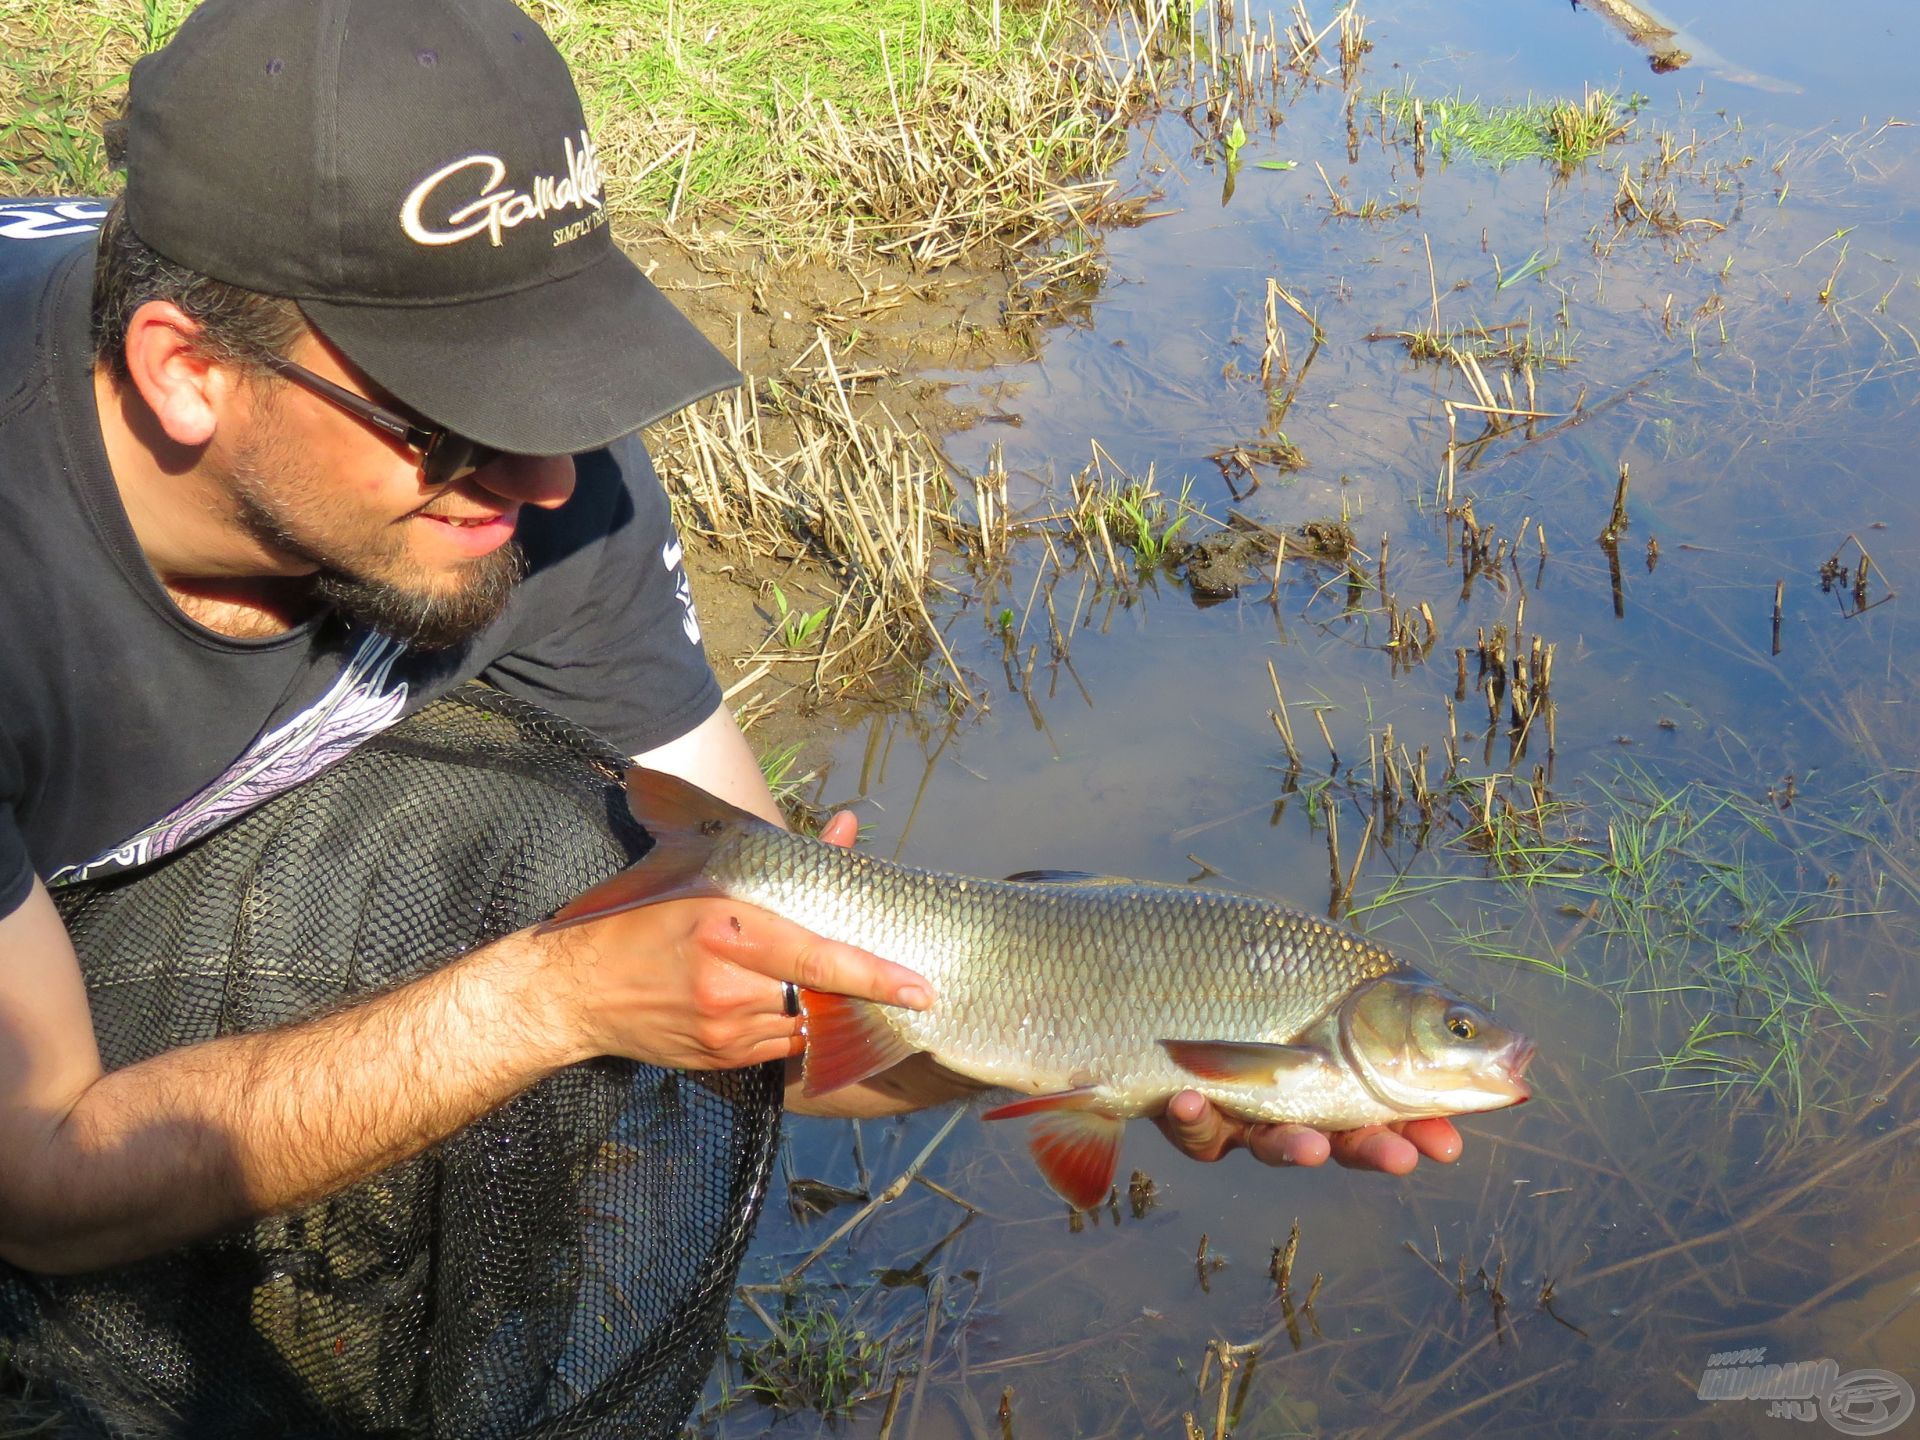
553, 370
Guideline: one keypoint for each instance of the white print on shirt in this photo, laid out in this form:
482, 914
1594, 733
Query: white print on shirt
500, 210
364, 701
50, 219
682, 590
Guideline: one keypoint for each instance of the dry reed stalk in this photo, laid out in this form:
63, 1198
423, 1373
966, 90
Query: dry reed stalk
863, 498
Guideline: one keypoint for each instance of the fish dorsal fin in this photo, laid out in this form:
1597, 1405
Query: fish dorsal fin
1239, 1062
660, 801
685, 824
1076, 1146
1064, 877
847, 1040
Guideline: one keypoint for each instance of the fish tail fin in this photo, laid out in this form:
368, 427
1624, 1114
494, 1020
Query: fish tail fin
847, 1040
1076, 1146
686, 825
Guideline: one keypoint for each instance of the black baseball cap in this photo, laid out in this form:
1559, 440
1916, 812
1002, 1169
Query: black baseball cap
418, 175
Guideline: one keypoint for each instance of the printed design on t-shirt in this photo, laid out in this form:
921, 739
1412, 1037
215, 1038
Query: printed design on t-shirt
670, 554
50, 219
365, 700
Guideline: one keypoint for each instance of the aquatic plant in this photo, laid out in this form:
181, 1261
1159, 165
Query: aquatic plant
1564, 132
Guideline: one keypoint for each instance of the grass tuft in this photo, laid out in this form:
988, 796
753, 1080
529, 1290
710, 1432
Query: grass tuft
1565, 132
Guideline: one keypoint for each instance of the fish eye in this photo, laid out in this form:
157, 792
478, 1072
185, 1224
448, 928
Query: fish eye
1461, 1027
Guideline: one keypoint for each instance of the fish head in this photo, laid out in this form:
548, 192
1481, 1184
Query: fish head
1426, 1051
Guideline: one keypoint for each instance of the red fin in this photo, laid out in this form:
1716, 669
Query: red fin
847, 1040
686, 823
1237, 1062
1077, 1151
1039, 1104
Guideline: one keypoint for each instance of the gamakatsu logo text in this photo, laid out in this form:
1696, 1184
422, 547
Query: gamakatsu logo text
1860, 1402
465, 198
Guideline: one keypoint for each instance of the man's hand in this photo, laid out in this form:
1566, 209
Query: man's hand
699, 984
1205, 1133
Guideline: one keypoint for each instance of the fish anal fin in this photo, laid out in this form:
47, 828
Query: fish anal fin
1239, 1062
847, 1040
1078, 1152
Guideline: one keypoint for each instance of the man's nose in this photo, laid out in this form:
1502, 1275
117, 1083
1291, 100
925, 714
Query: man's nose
543, 481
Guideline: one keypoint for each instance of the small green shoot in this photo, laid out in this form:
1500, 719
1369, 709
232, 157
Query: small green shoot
777, 769
1535, 264
1234, 140
1143, 521
796, 628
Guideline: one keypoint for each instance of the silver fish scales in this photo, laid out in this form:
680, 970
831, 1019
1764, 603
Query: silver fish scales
1099, 998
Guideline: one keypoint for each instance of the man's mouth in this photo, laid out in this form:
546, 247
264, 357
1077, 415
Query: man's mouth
476, 534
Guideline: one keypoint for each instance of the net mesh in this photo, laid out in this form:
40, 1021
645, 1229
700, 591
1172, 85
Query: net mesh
560, 1268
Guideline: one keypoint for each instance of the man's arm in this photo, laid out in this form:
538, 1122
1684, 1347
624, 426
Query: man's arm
101, 1169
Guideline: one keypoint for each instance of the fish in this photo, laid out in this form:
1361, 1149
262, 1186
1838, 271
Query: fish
1096, 998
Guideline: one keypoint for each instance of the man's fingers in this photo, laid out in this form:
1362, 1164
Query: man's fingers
842, 829
1196, 1127
1288, 1145
1437, 1139
782, 950
1374, 1148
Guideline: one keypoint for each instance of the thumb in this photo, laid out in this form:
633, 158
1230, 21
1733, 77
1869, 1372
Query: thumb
843, 829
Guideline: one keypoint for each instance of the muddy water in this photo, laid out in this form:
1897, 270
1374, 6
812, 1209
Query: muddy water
1679, 1211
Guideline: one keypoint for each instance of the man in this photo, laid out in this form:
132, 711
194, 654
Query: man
338, 411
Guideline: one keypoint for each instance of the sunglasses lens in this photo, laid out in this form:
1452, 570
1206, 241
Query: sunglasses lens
452, 456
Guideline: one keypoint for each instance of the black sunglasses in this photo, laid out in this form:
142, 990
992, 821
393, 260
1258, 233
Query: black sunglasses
444, 455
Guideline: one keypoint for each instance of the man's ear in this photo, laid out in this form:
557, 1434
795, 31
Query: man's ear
187, 391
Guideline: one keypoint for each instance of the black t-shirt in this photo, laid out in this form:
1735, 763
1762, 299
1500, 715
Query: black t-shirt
127, 729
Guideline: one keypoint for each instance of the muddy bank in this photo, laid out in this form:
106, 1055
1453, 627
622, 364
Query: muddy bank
885, 327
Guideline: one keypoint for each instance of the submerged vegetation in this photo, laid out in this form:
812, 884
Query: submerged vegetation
1566, 133
1668, 900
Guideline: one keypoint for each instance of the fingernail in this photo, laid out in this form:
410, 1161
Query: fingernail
915, 997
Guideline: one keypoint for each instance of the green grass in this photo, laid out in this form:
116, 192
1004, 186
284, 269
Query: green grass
813, 127
1680, 917
727, 70
815, 1358
1564, 132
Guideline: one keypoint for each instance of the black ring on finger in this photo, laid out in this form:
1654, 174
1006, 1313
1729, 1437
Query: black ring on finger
790, 998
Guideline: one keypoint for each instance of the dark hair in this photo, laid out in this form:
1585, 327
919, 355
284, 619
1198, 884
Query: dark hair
237, 326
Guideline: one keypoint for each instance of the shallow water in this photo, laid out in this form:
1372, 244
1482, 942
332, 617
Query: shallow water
1679, 1213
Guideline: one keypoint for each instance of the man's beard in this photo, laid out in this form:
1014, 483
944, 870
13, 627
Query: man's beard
367, 583
424, 620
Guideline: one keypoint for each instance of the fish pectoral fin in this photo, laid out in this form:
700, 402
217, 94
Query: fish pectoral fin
685, 824
1239, 1062
663, 873
847, 1040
